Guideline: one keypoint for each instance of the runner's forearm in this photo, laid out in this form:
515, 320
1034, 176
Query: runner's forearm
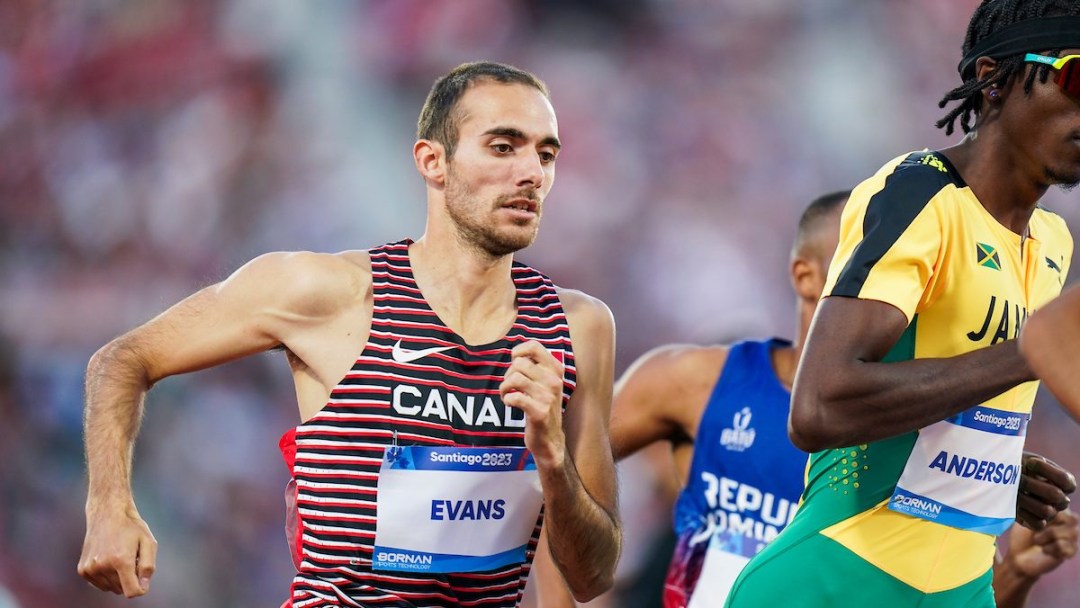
868, 401
571, 516
116, 386
1011, 588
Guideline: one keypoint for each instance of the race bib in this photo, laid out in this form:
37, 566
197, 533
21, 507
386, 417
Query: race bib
964, 472
725, 558
455, 509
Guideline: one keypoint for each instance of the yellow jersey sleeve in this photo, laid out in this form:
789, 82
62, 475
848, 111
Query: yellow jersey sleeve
891, 235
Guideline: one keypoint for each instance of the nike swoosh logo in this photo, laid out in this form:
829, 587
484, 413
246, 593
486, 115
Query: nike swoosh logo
407, 356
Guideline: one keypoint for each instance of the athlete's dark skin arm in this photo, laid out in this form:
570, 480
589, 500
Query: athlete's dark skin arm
844, 395
1030, 556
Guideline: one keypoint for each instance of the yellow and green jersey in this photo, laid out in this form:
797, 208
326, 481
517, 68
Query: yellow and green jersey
925, 507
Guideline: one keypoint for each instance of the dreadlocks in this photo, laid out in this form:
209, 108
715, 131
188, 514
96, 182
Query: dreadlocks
991, 16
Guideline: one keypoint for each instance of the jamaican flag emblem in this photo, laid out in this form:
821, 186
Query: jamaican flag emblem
987, 256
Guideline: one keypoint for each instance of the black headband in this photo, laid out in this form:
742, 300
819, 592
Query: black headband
1024, 37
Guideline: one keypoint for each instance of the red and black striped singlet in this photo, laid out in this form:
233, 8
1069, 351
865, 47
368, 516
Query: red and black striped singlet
437, 399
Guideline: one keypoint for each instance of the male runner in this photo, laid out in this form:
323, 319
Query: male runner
911, 391
724, 410
446, 392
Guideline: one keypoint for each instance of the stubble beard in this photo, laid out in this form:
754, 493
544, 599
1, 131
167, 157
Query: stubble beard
1065, 175
467, 214
1061, 180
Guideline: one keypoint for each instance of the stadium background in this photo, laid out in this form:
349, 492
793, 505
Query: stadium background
147, 148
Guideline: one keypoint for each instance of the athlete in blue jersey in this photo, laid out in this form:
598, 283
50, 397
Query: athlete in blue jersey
724, 409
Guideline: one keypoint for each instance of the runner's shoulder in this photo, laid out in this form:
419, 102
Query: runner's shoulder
681, 364
312, 283
586, 311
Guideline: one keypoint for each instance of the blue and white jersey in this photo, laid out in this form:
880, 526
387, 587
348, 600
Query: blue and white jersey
745, 478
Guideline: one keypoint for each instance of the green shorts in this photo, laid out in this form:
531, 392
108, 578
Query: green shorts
818, 572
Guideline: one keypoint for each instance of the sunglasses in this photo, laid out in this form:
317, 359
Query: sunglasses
1067, 68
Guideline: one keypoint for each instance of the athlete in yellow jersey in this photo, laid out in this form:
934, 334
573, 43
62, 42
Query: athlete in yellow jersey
911, 393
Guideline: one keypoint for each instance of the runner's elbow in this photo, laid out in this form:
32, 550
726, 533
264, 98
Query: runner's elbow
588, 583
591, 587
808, 426
806, 440
118, 360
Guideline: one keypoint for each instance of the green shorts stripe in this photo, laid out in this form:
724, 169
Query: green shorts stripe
818, 572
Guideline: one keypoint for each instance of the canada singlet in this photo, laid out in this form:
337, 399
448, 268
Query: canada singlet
412, 486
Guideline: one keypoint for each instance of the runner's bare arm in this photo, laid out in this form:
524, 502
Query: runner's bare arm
662, 395
262, 305
1031, 555
1050, 341
652, 402
573, 456
548, 583
844, 395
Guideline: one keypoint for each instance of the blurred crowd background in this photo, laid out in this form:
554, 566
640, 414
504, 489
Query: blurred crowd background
149, 147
